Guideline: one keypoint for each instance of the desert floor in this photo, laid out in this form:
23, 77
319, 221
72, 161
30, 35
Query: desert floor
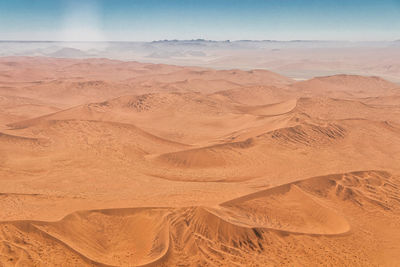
112, 163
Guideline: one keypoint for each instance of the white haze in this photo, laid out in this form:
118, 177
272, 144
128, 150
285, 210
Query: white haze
82, 21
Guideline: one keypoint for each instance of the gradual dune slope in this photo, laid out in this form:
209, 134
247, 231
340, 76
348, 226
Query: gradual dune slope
346, 86
319, 206
334, 109
112, 163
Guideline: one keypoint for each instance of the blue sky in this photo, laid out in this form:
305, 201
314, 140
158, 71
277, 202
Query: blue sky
147, 20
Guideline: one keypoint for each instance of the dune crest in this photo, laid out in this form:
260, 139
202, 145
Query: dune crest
112, 163
310, 207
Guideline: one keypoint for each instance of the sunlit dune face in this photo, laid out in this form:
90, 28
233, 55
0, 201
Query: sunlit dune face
199, 133
116, 163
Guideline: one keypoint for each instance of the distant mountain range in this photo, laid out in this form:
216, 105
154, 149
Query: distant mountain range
297, 58
202, 40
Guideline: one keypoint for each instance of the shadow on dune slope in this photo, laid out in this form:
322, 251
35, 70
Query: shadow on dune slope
232, 231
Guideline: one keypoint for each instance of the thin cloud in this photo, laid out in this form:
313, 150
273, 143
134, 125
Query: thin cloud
82, 21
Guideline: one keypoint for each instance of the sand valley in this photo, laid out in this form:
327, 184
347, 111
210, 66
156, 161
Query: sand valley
120, 163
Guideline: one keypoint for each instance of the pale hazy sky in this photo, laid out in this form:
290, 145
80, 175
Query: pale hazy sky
147, 20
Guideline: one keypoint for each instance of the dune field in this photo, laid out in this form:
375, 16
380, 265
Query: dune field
120, 163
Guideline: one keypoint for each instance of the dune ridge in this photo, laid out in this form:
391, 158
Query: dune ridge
112, 163
240, 225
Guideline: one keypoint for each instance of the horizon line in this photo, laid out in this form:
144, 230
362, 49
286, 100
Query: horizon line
200, 40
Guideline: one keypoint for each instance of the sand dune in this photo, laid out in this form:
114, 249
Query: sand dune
318, 206
392, 100
111, 163
256, 95
346, 86
169, 115
346, 109
307, 210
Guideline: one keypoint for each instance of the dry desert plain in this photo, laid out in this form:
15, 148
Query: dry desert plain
112, 163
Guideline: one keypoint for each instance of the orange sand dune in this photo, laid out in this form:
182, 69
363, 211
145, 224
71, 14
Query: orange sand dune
250, 226
112, 163
346, 86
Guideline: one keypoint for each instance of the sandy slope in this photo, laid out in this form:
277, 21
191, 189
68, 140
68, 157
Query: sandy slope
111, 163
